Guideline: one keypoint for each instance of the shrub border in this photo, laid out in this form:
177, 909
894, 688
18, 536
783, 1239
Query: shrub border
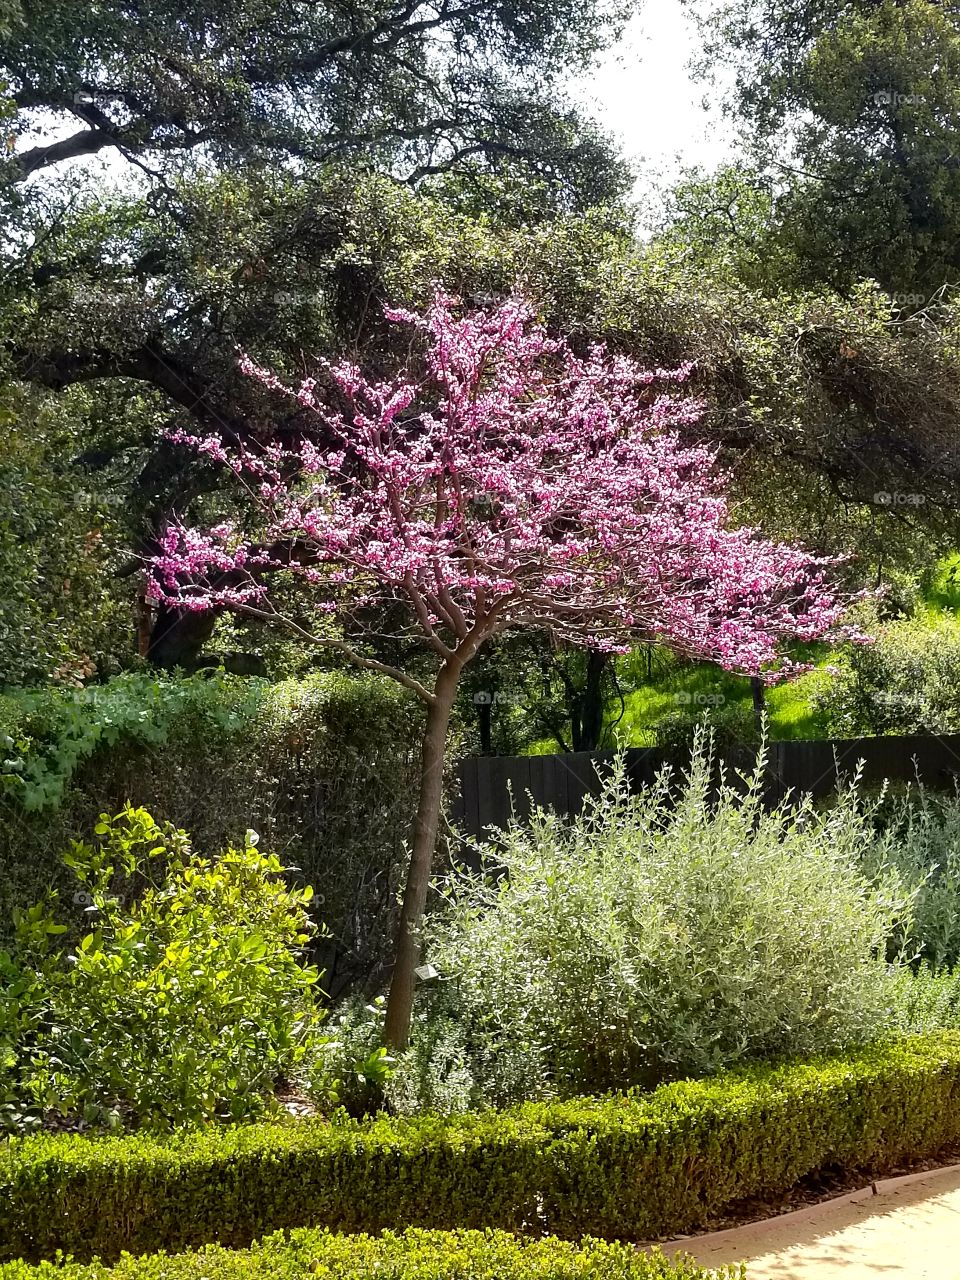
623, 1167
408, 1255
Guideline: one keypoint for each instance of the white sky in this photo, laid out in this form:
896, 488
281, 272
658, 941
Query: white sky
644, 94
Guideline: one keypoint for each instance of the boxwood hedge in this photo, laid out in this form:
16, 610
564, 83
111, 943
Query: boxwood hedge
630, 1167
412, 1255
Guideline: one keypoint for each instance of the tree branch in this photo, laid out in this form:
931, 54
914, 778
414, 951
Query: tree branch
341, 646
86, 142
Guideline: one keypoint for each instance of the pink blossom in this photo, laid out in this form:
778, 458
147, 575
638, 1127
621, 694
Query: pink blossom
516, 484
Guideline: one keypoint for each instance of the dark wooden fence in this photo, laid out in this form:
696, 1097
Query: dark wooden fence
561, 782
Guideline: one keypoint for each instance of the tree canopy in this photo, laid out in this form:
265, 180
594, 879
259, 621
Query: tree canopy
411, 87
852, 107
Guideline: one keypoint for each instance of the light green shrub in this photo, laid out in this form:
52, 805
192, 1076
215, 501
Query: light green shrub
170, 991
435, 1073
351, 1069
674, 931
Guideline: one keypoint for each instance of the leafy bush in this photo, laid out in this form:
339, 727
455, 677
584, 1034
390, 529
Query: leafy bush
64, 608
908, 681
922, 843
925, 1001
349, 1068
324, 768
51, 731
434, 1074
674, 931
185, 1002
734, 731
409, 1255
628, 1167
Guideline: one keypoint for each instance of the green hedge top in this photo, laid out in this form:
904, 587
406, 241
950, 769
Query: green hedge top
412, 1255
629, 1167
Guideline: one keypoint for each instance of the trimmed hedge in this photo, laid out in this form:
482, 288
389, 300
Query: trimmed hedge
411, 1255
631, 1167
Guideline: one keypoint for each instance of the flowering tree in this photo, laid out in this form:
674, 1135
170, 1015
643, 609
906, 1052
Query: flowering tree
511, 483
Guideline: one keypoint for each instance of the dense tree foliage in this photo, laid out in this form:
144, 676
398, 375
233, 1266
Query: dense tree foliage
852, 108
64, 611
412, 88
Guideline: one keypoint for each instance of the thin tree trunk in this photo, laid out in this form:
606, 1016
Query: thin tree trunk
759, 702
426, 825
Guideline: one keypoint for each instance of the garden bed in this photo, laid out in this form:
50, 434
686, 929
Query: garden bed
624, 1167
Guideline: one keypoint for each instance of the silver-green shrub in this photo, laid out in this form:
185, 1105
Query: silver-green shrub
666, 933
924, 1001
921, 841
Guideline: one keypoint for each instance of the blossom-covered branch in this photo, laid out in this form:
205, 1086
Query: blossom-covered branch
513, 484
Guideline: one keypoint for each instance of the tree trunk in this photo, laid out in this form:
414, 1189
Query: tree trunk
591, 719
426, 824
586, 705
759, 702
178, 636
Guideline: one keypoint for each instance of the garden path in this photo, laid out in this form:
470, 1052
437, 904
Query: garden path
909, 1227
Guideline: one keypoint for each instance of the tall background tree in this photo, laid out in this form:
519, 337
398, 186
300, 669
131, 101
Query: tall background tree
255, 151
852, 110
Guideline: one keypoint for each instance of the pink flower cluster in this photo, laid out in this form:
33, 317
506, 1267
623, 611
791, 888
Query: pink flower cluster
513, 484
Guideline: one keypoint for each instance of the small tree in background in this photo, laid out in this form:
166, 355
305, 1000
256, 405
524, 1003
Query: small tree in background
508, 483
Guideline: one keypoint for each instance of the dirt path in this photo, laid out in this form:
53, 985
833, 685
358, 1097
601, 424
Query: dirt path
910, 1228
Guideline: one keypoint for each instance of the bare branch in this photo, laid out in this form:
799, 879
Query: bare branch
341, 646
